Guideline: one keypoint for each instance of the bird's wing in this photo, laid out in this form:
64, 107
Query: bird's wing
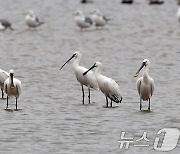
138, 83
5, 73
18, 86
152, 86
5, 85
112, 88
5, 23
88, 20
106, 19
37, 20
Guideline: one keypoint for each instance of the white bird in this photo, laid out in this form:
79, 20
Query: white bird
32, 20
107, 85
145, 84
3, 76
89, 80
4, 24
99, 19
12, 87
178, 14
82, 21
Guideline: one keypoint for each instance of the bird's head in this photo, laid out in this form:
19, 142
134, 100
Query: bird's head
96, 64
75, 55
145, 63
78, 13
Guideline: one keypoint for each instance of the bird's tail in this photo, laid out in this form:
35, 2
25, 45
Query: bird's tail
11, 28
116, 99
40, 23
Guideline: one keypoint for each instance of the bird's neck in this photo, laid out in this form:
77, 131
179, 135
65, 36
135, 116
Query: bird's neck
76, 62
145, 74
98, 72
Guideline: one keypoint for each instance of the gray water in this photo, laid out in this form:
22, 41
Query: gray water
53, 119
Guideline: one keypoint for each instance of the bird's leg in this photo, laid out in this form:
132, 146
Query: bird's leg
2, 93
16, 103
83, 93
140, 103
89, 95
111, 102
106, 101
149, 105
7, 103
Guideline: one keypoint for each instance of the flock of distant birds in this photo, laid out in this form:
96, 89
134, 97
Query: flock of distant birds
108, 86
31, 19
99, 20
145, 85
131, 1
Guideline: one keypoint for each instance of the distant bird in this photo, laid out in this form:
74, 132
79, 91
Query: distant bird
32, 20
127, 1
4, 24
82, 21
3, 76
156, 2
178, 14
145, 84
12, 87
107, 85
86, 1
99, 19
89, 80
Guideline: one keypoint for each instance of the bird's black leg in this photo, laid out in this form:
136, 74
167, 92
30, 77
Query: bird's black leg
140, 103
83, 93
89, 95
149, 105
106, 101
2, 93
16, 103
111, 102
7, 103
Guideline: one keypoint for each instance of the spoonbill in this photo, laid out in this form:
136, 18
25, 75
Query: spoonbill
3, 76
32, 20
107, 85
145, 84
4, 24
99, 19
12, 87
89, 80
81, 20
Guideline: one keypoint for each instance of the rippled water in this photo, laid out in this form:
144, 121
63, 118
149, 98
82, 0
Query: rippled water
53, 118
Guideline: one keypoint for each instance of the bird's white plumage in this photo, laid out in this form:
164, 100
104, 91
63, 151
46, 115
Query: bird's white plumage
3, 76
32, 20
145, 87
107, 85
12, 90
81, 20
98, 18
2, 27
145, 84
89, 80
